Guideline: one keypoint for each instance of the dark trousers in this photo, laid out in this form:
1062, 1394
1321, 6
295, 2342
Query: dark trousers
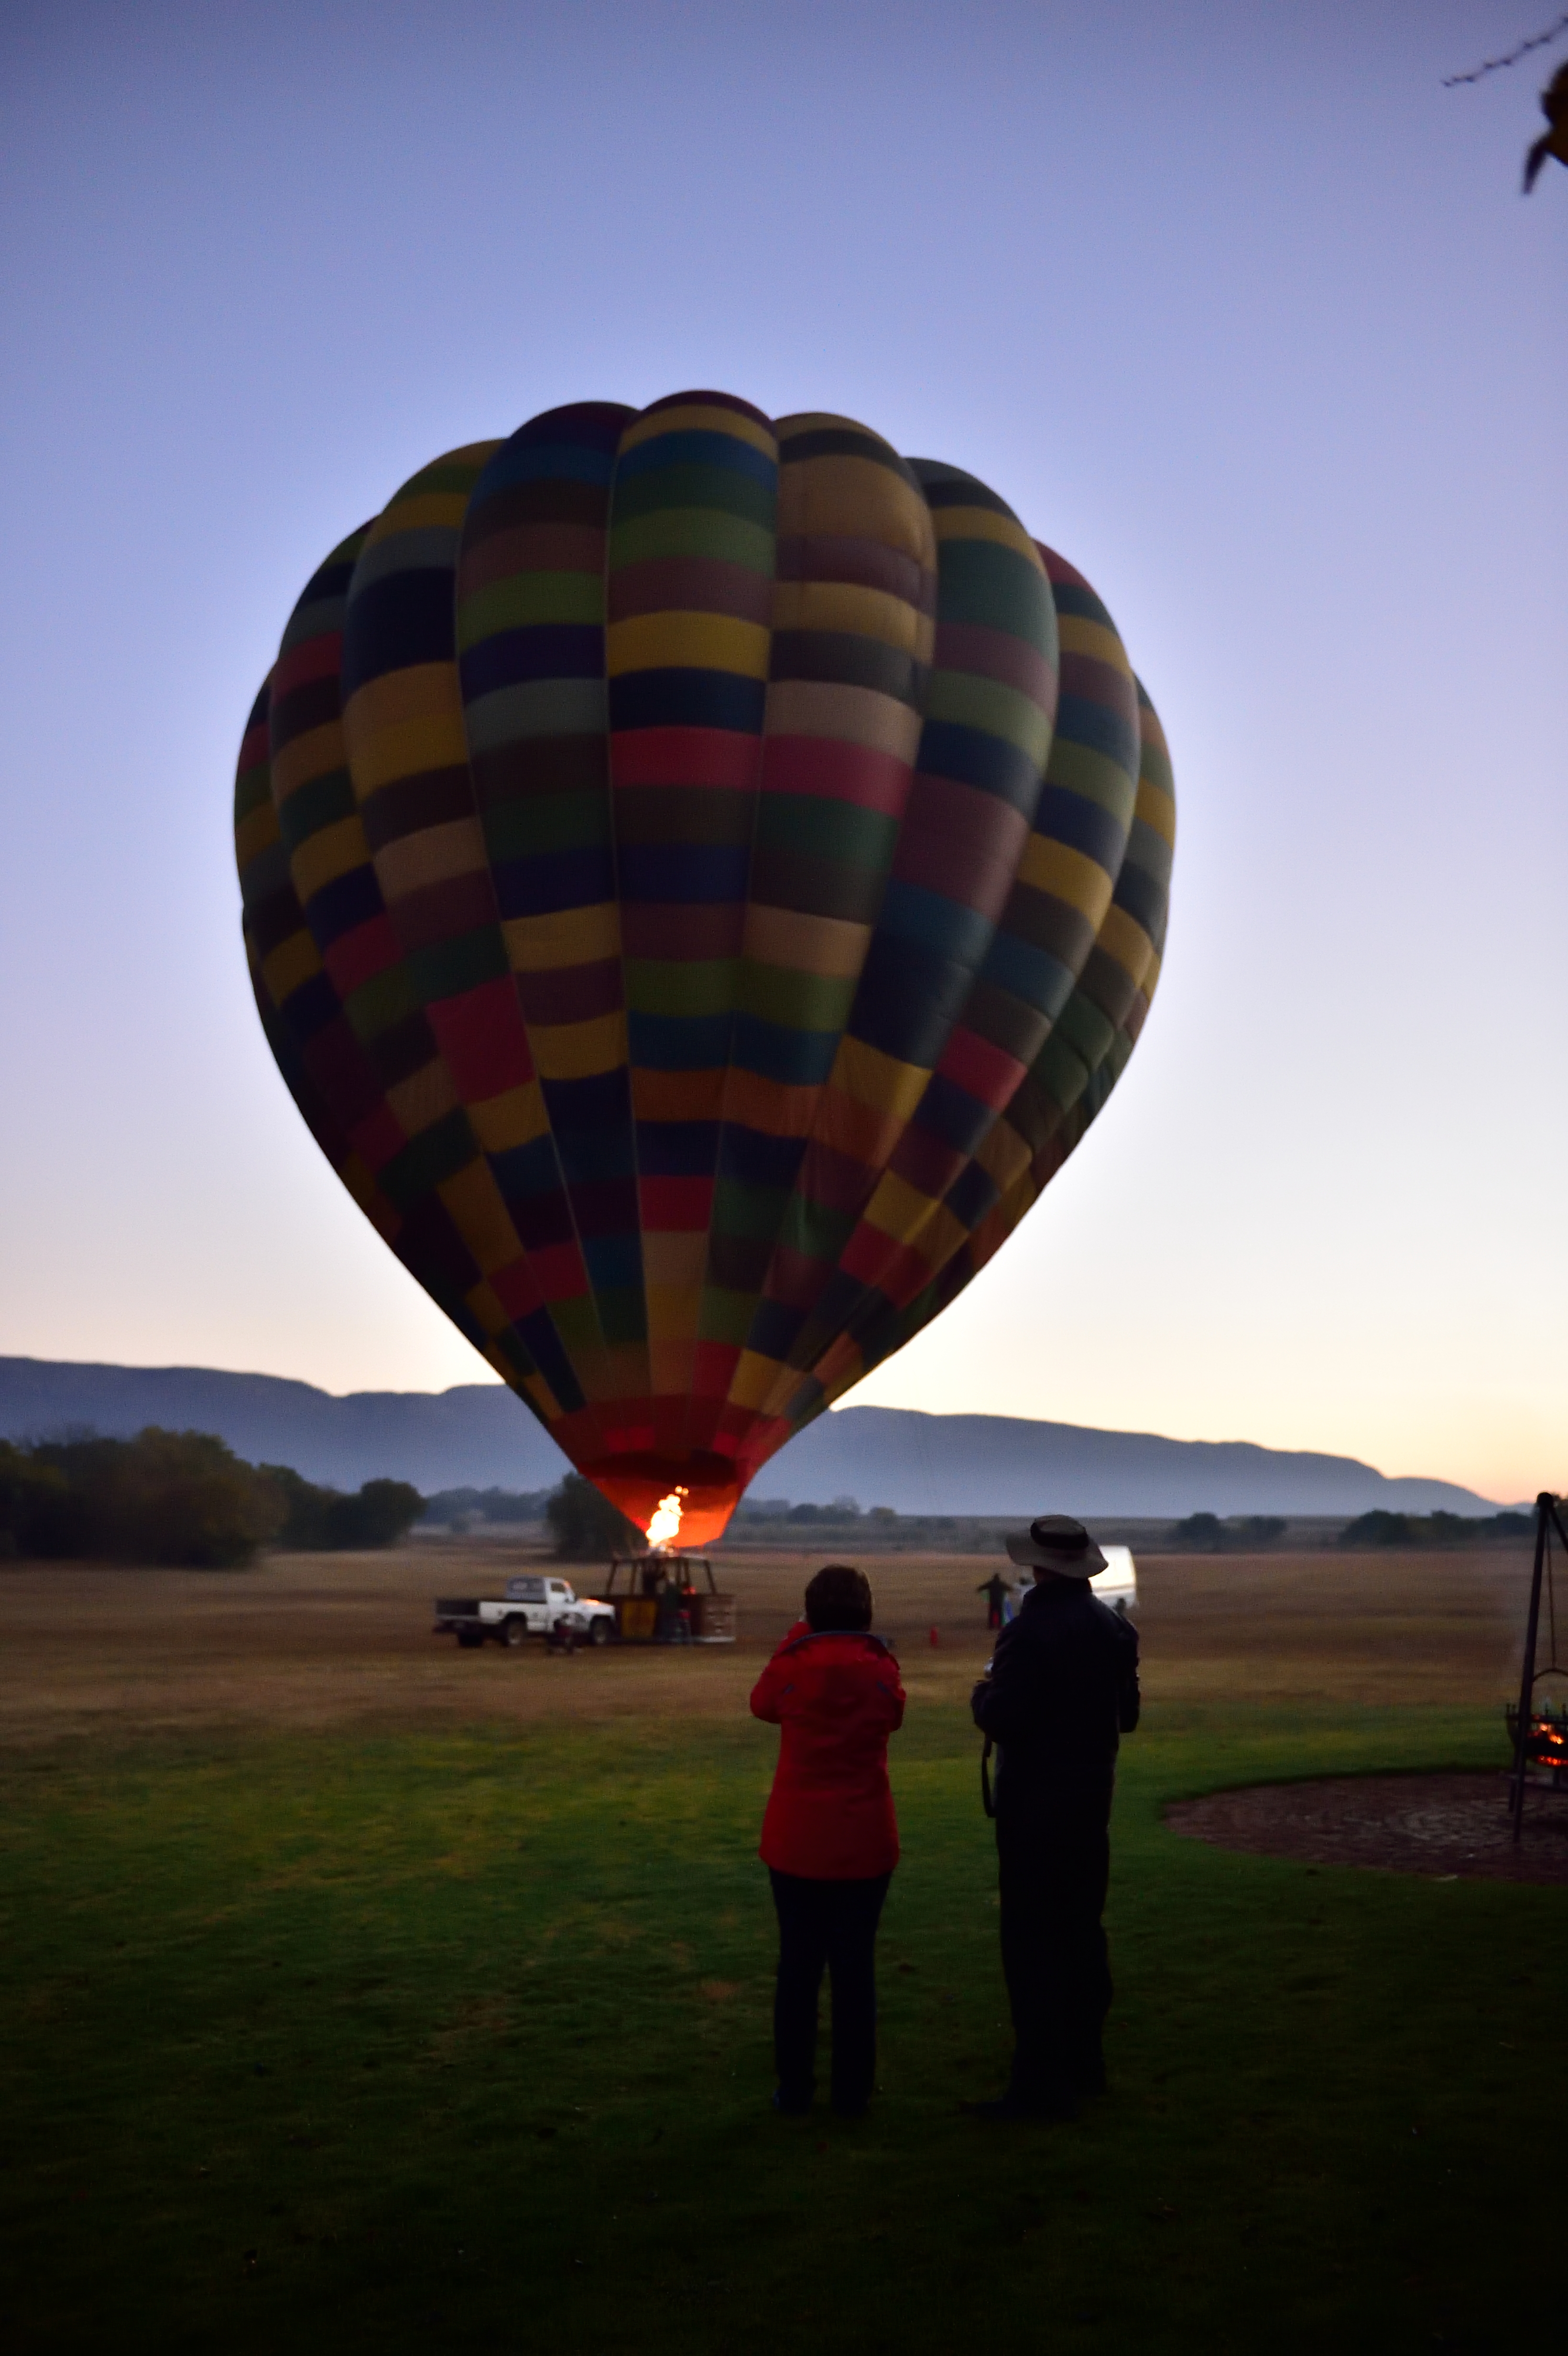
831, 1923
1054, 1856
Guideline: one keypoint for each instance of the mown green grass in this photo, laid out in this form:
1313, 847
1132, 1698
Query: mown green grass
460, 2041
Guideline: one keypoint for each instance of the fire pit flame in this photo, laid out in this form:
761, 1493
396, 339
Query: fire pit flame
1545, 1743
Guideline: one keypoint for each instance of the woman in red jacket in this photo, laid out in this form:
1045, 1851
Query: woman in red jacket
830, 1840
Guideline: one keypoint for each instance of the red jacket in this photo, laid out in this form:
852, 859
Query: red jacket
838, 1699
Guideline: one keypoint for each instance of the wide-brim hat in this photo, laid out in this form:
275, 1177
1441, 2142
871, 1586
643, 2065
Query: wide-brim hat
1055, 1543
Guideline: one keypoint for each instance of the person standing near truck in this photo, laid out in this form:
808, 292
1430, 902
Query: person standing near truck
996, 1590
829, 1836
1058, 1695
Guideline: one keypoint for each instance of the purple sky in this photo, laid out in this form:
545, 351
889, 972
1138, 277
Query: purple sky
1236, 306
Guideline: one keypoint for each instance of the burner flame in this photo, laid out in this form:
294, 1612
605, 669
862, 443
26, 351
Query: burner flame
665, 1525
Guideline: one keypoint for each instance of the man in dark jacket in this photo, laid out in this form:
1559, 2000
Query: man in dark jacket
1060, 1691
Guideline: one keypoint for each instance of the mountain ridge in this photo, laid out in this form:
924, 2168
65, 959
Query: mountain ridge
477, 1435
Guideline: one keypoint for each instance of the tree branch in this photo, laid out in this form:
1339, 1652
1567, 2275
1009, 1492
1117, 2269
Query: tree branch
1494, 65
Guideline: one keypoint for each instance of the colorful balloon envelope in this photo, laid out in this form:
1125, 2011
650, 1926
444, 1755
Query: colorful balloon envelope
702, 876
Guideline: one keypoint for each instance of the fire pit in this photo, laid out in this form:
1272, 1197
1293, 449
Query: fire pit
1540, 1733
1545, 1747
1453, 1825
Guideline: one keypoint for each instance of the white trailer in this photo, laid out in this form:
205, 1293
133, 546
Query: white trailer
1117, 1584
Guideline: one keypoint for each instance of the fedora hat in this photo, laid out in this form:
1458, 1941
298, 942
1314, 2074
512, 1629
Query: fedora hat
1055, 1543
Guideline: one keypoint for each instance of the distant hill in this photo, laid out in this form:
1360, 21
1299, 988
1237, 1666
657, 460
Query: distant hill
477, 1435
1002, 1465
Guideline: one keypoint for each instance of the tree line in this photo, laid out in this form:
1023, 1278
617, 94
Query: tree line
1252, 1533
182, 1499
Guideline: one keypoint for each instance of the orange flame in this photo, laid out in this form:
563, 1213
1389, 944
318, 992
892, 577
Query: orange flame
664, 1526
706, 1487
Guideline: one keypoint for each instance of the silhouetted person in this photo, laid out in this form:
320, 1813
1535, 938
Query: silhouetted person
996, 1590
1061, 1690
829, 1837
672, 1622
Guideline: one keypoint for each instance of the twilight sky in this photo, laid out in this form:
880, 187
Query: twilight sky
1236, 306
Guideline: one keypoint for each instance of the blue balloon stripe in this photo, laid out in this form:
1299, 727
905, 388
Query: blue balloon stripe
698, 447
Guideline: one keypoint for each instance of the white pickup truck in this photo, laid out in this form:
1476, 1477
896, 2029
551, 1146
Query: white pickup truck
533, 1605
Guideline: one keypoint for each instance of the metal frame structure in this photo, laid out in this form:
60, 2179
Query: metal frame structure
1524, 1722
672, 1560
712, 1622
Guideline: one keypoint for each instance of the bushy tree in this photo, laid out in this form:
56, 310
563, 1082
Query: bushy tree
1206, 1531
32, 1496
1378, 1528
585, 1526
326, 1521
1261, 1529
382, 1512
302, 1527
182, 1498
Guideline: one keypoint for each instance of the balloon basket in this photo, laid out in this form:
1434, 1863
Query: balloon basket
662, 1604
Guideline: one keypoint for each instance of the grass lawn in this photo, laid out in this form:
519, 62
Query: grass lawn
458, 2038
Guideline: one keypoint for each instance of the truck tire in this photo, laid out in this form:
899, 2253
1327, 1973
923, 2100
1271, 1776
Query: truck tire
599, 1631
515, 1632
470, 1639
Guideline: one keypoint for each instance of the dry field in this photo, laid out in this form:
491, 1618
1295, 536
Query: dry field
340, 1640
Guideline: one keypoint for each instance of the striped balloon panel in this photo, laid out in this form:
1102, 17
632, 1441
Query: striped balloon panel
852, 610
987, 707
1040, 1128
278, 948
285, 966
1142, 904
281, 945
376, 1039
689, 591
402, 722
530, 621
330, 863
1076, 1070
317, 1112
377, 1059
1064, 1093
437, 1273
299, 1011
1060, 926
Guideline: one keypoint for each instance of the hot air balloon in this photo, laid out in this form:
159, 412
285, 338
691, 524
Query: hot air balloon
702, 875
